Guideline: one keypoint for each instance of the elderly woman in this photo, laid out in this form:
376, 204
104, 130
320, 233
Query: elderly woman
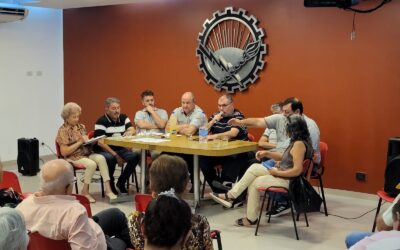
257, 175
13, 234
168, 172
71, 138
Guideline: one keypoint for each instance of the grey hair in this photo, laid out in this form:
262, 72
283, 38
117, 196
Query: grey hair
229, 97
12, 229
111, 100
69, 109
49, 187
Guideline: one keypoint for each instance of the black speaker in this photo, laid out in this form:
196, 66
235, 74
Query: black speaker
28, 156
393, 148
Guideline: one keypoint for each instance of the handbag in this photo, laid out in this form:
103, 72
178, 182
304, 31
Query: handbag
304, 196
9, 198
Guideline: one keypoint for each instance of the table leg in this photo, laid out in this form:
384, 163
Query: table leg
196, 180
143, 172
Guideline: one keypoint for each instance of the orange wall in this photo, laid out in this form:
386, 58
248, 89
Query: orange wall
350, 88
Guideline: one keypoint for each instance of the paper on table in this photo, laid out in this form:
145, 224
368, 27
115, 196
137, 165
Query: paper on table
94, 139
153, 140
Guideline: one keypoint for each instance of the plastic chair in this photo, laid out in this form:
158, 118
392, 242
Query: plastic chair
141, 202
10, 179
77, 167
382, 196
39, 242
307, 168
85, 202
323, 148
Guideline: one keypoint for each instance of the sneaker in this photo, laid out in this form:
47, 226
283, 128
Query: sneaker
279, 210
113, 189
220, 186
122, 188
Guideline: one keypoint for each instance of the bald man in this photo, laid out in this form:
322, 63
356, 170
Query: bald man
189, 118
55, 214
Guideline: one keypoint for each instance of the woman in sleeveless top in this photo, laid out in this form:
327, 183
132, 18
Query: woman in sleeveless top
257, 175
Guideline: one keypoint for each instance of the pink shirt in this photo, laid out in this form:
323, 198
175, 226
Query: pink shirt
61, 217
388, 240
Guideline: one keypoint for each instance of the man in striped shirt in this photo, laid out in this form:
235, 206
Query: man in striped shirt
114, 123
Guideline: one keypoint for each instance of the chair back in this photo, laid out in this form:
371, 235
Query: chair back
85, 202
251, 137
90, 134
323, 149
307, 168
141, 201
39, 242
10, 179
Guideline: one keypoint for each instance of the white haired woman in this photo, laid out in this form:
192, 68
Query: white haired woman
13, 234
71, 138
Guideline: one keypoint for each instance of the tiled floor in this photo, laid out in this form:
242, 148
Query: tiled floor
323, 233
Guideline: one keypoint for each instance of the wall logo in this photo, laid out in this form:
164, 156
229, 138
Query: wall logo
231, 50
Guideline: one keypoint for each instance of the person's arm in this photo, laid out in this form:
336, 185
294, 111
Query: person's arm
298, 150
277, 156
264, 143
85, 234
186, 129
249, 122
385, 221
232, 133
143, 124
159, 121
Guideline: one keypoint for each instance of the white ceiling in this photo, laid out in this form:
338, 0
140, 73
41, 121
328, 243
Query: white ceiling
67, 4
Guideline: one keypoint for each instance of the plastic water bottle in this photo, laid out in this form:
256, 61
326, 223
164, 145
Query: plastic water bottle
172, 124
203, 130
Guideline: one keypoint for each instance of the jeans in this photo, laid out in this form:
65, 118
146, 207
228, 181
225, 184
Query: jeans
354, 237
132, 159
114, 224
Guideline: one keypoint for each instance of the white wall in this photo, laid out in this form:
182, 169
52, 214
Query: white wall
31, 80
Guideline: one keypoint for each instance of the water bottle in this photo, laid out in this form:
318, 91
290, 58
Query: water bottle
172, 124
203, 130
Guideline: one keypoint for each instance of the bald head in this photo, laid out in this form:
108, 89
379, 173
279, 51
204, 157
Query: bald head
56, 176
188, 102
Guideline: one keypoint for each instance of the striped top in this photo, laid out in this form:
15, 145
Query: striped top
106, 126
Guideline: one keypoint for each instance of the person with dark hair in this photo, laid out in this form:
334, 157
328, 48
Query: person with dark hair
167, 222
169, 172
291, 165
389, 239
150, 118
114, 123
278, 122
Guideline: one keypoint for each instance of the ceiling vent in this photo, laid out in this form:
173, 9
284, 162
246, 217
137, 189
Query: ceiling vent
8, 14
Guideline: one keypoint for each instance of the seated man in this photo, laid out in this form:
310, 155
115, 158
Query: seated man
55, 214
188, 117
269, 139
233, 166
114, 123
387, 239
385, 222
150, 118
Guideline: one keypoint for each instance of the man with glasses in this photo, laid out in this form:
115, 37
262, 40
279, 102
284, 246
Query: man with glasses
233, 166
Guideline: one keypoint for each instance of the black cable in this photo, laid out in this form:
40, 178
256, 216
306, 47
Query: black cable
370, 10
47, 146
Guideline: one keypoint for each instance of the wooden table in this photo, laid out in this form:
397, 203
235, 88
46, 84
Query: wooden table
181, 144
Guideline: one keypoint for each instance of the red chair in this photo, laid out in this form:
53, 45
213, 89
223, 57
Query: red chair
307, 168
323, 148
382, 196
10, 179
77, 167
85, 202
141, 201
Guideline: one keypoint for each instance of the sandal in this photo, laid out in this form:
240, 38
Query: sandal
241, 222
227, 202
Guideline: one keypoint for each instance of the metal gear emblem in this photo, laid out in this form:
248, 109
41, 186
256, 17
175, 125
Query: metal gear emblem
231, 50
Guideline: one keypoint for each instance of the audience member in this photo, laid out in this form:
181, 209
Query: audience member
233, 166
114, 123
169, 172
71, 138
269, 139
259, 176
388, 240
57, 215
13, 235
167, 222
385, 222
189, 118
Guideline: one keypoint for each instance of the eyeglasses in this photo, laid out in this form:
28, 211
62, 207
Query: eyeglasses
224, 105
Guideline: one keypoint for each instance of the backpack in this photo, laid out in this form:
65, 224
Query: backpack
9, 198
392, 177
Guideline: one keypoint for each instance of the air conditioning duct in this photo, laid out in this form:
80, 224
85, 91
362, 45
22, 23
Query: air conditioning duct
10, 14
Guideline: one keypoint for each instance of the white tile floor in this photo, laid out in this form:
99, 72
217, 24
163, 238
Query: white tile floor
323, 233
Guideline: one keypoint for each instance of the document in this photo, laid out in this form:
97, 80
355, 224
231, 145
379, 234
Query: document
94, 139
